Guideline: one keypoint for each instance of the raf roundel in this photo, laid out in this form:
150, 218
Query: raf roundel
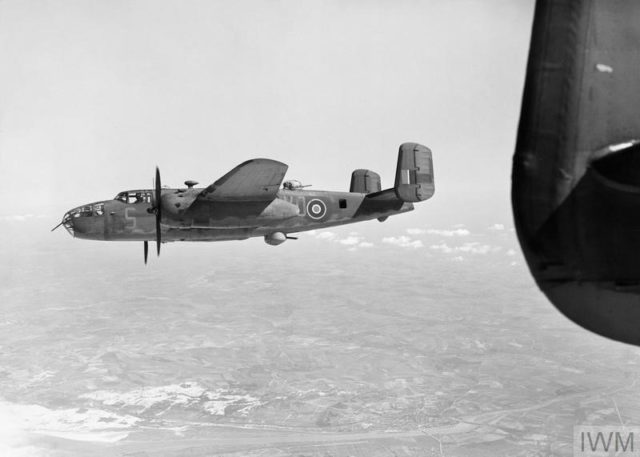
316, 209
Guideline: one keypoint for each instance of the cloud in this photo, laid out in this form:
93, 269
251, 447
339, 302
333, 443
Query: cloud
403, 241
469, 248
350, 241
511, 252
497, 227
449, 233
458, 230
21, 217
326, 236
444, 247
458, 258
353, 240
477, 248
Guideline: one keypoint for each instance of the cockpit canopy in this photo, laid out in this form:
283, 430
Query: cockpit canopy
134, 196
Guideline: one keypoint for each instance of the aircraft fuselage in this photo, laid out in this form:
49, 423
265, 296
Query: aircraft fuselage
290, 212
251, 200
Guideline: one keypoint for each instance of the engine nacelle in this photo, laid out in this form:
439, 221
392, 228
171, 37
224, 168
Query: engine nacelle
365, 182
275, 238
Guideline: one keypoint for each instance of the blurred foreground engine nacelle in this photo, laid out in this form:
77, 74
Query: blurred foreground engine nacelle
275, 238
365, 182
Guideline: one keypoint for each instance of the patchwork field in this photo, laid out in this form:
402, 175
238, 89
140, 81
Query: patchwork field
337, 345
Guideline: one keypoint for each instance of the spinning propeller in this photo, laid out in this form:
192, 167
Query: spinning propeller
156, 208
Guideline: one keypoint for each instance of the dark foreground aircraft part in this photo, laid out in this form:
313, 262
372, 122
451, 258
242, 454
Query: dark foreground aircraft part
576, 168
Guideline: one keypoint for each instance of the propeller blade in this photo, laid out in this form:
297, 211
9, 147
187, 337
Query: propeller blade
158, 235
146, 251
57, 226
158, 203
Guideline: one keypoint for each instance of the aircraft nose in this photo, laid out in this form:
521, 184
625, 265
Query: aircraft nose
71, 220
85, 221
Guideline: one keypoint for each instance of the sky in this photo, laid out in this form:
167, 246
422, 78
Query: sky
95, 94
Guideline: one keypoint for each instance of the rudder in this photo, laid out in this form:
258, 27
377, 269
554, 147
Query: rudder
414, 174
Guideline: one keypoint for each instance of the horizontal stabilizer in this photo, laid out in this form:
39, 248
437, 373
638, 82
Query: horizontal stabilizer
414, 174
384, 195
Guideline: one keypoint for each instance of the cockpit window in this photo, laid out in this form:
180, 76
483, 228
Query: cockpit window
134, 196
84, 211
88, 210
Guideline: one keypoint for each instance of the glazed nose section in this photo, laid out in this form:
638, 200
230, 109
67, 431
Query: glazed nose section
85, 221
67, 222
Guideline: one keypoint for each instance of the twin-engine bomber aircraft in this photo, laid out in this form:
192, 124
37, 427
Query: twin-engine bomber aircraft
248, 202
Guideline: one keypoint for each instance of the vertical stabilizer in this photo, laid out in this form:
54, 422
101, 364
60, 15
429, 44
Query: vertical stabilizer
414, 175
365, 182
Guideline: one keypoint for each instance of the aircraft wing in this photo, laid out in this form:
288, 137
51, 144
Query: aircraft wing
576, 168
253, 180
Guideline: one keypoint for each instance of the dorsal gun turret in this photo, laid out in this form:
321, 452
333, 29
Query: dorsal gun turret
293, 184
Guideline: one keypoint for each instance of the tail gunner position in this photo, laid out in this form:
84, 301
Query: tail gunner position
248, 202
